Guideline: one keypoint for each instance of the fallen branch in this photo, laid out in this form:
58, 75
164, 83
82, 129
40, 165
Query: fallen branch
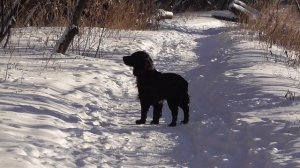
225, 15
162, 14
244, 8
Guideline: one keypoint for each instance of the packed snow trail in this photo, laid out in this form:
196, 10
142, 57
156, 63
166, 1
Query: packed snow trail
80, 112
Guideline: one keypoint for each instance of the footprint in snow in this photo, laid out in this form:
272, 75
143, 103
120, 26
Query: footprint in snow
77, 75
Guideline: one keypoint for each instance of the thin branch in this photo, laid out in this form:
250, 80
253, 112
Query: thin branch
298, 4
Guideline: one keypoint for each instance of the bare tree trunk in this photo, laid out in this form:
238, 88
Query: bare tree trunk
8, 21
2, 15
72, 30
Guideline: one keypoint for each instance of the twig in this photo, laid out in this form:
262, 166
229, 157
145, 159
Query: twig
7, 38
298, 5
7, 67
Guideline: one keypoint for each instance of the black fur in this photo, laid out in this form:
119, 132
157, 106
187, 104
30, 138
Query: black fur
154, 87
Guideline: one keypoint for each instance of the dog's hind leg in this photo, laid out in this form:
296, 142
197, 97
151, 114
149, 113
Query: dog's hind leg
184, 104
174, 109
157, 111
185, 108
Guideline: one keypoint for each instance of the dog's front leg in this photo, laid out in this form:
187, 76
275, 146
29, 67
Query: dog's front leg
144, 110
157, 111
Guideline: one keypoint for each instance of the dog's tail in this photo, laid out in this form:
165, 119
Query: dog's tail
186, 97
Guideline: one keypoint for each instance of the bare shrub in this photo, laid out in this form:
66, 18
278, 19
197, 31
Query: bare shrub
105, 17
45, 13
98, 13
279, 25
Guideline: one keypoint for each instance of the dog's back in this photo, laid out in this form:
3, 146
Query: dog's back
158, 86
175, 86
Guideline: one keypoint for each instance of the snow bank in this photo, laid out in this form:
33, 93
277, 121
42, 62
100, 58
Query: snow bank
74, 111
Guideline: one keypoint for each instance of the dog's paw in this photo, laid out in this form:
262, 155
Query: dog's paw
138, 122
154, 122
172, 124
184, 121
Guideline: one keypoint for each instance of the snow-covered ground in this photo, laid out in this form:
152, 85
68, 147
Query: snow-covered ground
74, 111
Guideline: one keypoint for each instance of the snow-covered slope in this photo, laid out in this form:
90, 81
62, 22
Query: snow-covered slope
73, 111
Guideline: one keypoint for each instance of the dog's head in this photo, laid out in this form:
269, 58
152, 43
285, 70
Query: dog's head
140, 61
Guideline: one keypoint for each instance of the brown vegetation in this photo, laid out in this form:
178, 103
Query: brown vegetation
279, 24
98, 13
112, 14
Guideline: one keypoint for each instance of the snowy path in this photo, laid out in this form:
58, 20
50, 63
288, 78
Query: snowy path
80, 112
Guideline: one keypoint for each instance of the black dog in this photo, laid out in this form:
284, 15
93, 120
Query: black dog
154, 87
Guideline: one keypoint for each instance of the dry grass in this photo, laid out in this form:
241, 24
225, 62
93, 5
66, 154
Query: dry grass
278, 25
122, 15
100, 19
98, 13
45, 14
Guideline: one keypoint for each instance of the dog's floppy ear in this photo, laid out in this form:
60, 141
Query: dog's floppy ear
149, 63
144, 59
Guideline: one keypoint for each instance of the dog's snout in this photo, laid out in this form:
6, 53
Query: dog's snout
127, 60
